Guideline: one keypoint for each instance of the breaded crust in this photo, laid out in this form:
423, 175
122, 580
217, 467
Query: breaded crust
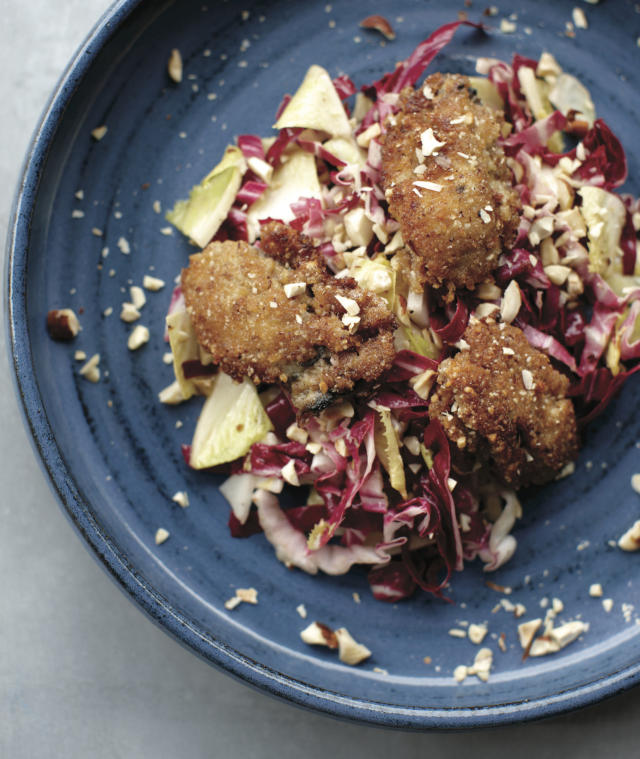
483, 402
235, 295
458, 232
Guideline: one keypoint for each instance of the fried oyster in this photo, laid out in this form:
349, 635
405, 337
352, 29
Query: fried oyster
276, 314
447, 182
500, 400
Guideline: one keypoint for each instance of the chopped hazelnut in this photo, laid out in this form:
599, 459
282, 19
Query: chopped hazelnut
174, 67
62, 324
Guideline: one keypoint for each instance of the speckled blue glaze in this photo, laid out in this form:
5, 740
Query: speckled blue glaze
112, 451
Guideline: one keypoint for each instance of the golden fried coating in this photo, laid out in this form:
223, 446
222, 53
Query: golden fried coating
502, 401
273, 315
457, 224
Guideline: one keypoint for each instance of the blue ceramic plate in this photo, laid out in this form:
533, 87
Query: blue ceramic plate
113, 452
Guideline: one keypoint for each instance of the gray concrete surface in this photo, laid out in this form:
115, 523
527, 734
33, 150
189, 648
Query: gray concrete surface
82, 672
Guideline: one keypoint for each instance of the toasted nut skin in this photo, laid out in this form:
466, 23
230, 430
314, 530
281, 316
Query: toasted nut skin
62, 324
380, 24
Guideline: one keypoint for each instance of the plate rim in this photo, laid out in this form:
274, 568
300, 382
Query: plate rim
105, 551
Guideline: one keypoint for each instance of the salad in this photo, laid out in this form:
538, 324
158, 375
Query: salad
380, 378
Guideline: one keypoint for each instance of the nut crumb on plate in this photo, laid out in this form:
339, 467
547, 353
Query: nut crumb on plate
349, 651
174, 66
138, 337
243, 595
319, 634
99, 132
477, 633
129, 313
62, 324
91, 371
630, 541
481, 667
152, 283
181, 498
161, 535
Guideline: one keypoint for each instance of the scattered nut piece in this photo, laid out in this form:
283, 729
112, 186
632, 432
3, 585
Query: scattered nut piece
80, 355
460, 673
90, 370
248, 595
129, 313
429, 143
558, 637
557, 273
485, 309
498, 588
302, 610
349, 651
291, 289
138, 337
379, 24
477, 633
507, 27
481, 666
595, 590
456, 632
124, 246
318, 634
351, 323
99, 132
152, 283
161, 535
365, 137
527, 632
630, 541
243, 595
138, 298
579, 18
289, 473
635, 482
181, 498
511, 302
350, 306
527, 380
174, 66
62, 324
607, 604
